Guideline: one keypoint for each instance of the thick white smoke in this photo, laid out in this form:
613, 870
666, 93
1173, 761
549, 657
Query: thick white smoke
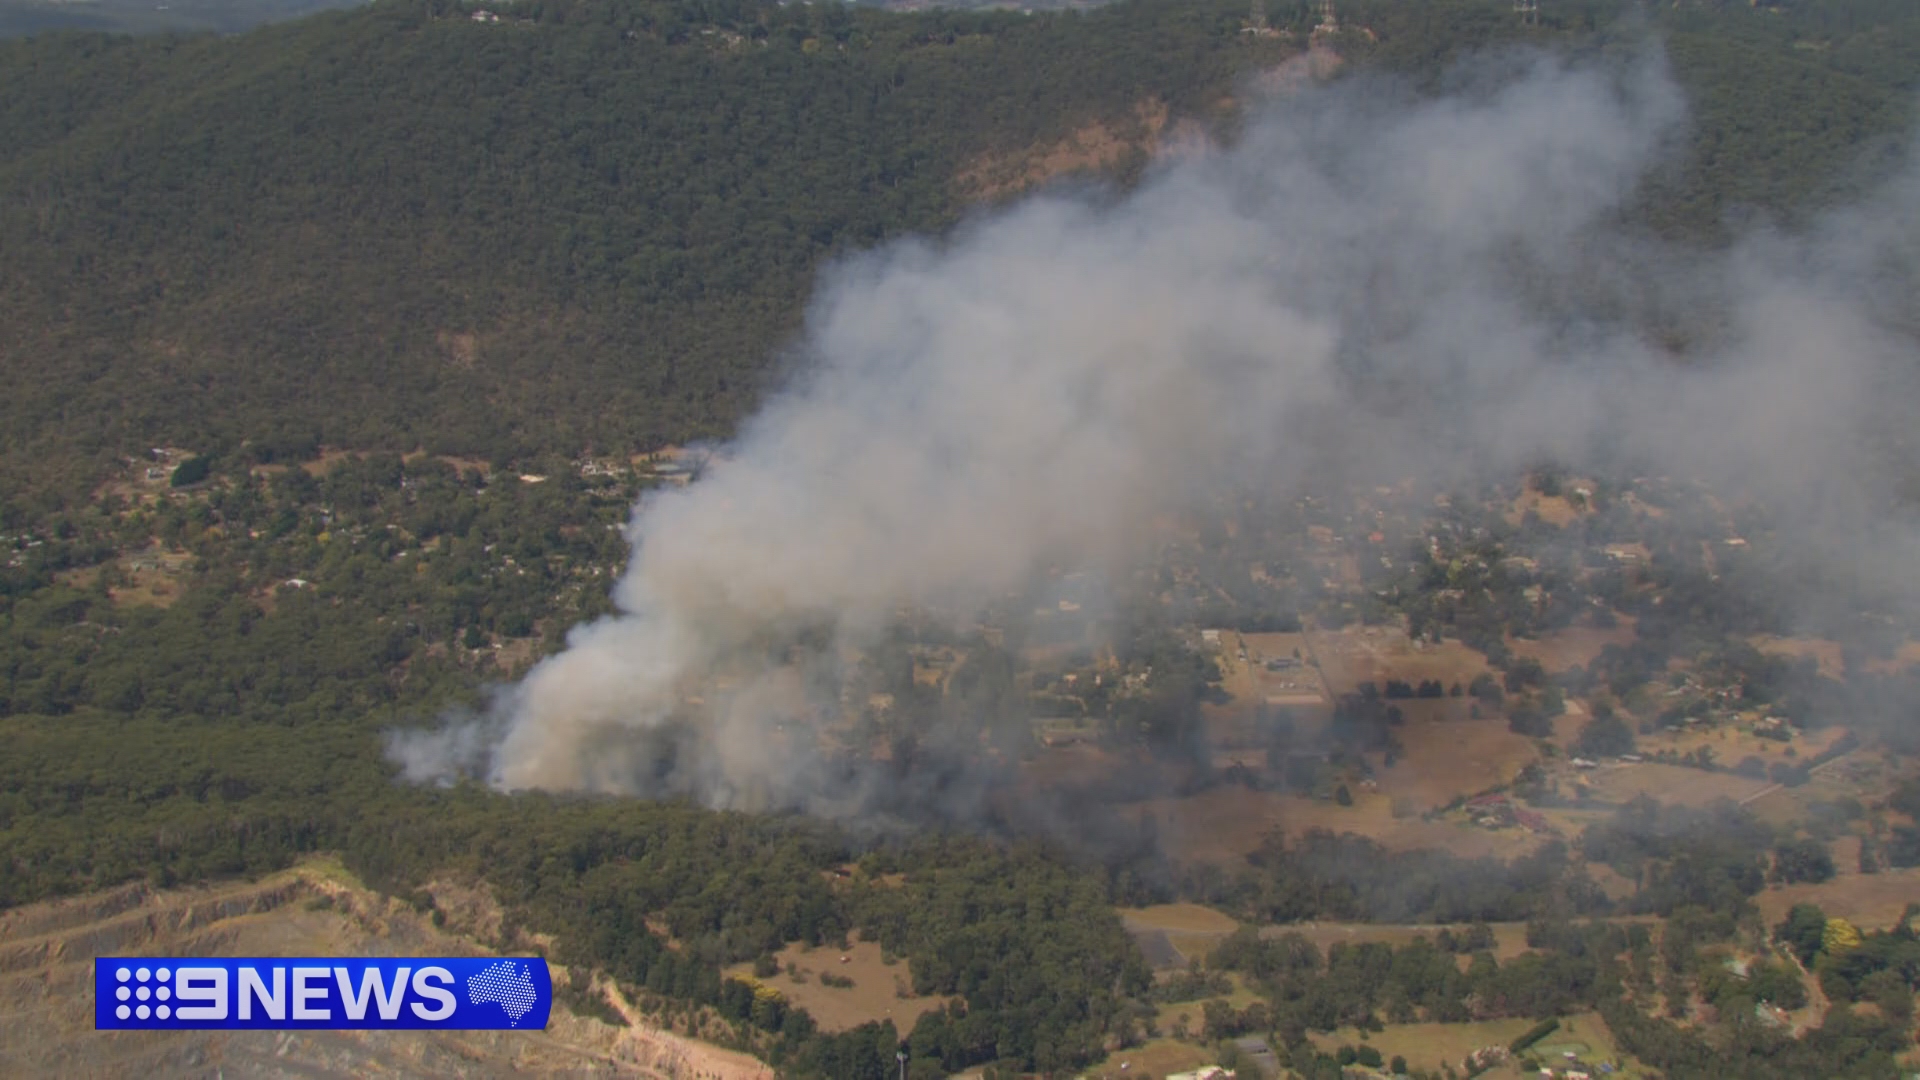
1364, 282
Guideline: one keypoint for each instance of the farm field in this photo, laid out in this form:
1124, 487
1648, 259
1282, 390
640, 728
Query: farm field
1906, 656
1863, 777
1510, 938
1575, 646
1358, 654
1198, 926
1870, 901
1731, 743
1179, 918
1675, 784
1430, 1046
1556, 510
1226, 824
876, 993
1252, 686
1175, 935
1154, 1059
1172, 936
1824, 652
1454, 756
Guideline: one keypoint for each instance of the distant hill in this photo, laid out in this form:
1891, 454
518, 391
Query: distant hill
21, 17
559, 225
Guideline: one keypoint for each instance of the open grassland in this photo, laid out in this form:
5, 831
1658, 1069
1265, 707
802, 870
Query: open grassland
1510, 938
1824, 652
1251, 686
1675, 784
1555, 510
1200, 927
1906, 656
1153, 1060
1358, 654
1731, 742
1865, 776
1175, 935
1226, 824
1190, 1013
1427, 1046
1430, 1046
1449, 757
880, 990
1575, 646
1870, 901
1179, 918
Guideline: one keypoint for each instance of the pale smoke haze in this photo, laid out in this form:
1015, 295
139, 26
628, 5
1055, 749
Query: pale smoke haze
1365, 284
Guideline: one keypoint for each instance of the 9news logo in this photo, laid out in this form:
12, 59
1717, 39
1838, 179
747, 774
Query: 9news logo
443, 993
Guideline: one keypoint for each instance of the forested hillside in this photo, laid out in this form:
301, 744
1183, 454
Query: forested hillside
586, 225
590, 225
22, 17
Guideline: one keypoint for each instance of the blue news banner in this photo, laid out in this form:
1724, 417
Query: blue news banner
444, 993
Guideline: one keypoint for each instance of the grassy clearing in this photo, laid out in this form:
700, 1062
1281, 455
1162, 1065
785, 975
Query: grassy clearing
1226, 824
1171, 1013
1429, 1046
1361, 653
880, 991
1674, 784
1449, 757
1824, 652
1179, 918
1150, 1061
1575, 646
1870, 901
1510, 938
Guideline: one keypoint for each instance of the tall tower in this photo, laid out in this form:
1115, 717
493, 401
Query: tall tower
1257, 16
1328, 23
1528, 10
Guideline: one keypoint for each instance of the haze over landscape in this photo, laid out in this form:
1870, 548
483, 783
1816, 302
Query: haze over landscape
1355, 286
1320, 541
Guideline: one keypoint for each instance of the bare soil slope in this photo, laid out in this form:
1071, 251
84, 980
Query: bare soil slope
46, 999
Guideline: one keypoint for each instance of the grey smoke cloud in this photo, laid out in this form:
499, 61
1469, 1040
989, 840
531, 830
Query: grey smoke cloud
1365, 284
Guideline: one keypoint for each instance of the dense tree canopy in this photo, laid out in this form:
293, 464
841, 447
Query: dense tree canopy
591, 224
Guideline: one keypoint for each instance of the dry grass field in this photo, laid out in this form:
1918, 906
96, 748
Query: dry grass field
1826, 653
1576, 646
1171, 1017
1226, 824
1870, 901
1251, 684
1358, 654
876, 994
152, 577
1675, 784
1150, 1061
1189, 930
1510, 939
1449, 757
1179, 918
1555, 510
1906, 656
1730, 743
1195, 928
1429, 1046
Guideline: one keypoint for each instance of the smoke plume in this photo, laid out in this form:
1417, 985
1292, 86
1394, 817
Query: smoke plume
1366, 284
